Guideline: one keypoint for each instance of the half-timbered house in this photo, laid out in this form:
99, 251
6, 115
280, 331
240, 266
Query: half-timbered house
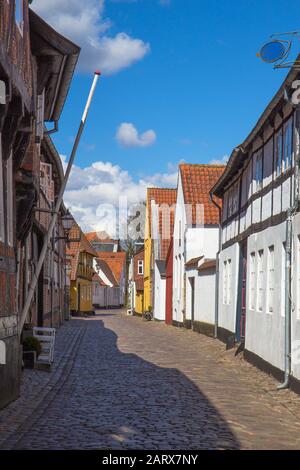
260, 203
36, 67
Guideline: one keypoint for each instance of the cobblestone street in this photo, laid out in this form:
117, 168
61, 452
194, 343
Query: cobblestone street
121, 383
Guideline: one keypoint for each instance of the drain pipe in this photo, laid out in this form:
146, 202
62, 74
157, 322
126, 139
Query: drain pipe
287, 335
217, 268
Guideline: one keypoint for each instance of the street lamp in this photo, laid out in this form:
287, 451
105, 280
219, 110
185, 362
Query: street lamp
67, 221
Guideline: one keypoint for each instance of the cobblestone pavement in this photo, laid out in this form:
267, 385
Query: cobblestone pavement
121, 383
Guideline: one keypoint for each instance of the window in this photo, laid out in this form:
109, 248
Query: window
19, 13
229, 281
258, 170
283, 279
260, 280
1, 196
252, 280
288, 144
9, 200
271, 279
278, 152
140, 267
225, 283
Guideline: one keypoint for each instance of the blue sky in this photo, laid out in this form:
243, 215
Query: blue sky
197, 84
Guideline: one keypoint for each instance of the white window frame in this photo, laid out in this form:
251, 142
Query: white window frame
229, 276
271, 279
260, 281
140, 267
277, 149
287, 158
225, 280
252, 280
259, 170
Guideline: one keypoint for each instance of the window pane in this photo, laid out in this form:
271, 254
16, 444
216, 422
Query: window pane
271, 275
252, 281
260, 280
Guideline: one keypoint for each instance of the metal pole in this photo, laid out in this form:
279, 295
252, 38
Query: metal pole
57, 207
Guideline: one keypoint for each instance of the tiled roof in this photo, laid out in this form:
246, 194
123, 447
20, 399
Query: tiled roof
197, 181
105, 268
207, 264
163, 196
75, 248
193, 262
100, 236
115, 261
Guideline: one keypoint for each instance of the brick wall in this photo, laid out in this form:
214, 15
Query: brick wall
16, 45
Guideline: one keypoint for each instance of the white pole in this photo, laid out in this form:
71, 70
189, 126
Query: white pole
48, 235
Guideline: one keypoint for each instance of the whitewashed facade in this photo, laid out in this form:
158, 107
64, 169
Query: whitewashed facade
159, 308
257, 189
191, 241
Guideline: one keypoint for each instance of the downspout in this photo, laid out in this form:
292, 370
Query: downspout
287, 334
217, 268
288, 259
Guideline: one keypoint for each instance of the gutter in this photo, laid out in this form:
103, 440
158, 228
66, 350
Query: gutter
217, 267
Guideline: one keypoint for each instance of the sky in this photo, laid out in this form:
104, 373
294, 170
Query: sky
180, 82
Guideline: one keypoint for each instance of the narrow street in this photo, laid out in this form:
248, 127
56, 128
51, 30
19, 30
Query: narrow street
121, 383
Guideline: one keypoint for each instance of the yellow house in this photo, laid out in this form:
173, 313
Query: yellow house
81, 255
138, 273
159, 196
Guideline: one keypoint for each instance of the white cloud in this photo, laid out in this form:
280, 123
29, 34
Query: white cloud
221, 161
83, 22
93, 193
128, 136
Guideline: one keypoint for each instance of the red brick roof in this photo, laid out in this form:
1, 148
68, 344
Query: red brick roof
163, 196
100, 236
115, 261
103, 265
197, 181
73, 249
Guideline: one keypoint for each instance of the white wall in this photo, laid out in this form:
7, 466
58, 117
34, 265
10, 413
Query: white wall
295, 330
159, 311
227, 310
205, 286
264, 329
195, 242
179, 255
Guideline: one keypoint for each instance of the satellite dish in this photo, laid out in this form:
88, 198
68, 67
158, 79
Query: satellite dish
273, 51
